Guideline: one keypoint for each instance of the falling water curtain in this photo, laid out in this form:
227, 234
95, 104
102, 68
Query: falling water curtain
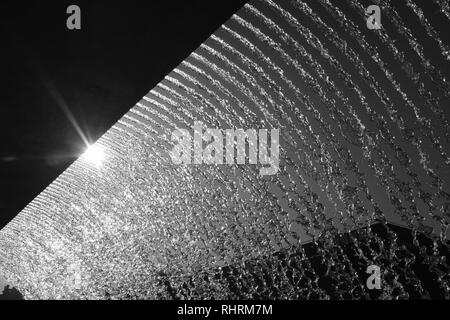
361, 105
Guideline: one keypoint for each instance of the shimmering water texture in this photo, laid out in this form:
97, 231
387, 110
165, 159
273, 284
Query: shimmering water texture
364, 148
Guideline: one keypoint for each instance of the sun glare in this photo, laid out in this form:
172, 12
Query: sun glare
94, 155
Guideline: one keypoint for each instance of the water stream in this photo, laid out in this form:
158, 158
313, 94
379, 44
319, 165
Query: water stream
364, 147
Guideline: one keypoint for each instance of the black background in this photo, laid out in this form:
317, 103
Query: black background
123, 49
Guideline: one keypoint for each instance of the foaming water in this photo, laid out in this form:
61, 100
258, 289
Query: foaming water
364, 145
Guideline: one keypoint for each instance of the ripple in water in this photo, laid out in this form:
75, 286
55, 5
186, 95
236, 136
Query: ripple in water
363, 177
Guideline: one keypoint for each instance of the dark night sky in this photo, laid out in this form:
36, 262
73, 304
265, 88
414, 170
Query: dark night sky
123, 49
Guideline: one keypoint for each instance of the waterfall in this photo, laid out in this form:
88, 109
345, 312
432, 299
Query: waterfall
363, 179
